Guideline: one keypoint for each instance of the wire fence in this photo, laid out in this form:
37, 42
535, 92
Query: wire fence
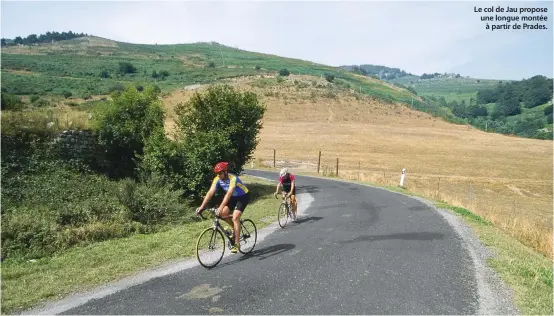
522, 207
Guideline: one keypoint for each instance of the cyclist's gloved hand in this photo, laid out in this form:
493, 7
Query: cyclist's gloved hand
275, 194
199, 211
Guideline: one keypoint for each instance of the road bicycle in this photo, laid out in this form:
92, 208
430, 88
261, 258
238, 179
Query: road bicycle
213, 237
284, 212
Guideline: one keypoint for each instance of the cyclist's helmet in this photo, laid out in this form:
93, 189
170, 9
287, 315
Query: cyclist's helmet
221, 166
283, 172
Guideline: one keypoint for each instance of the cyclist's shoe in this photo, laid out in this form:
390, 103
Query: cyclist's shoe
229, 232
235, 248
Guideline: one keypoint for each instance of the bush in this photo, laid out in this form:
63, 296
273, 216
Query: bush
104, 74
258, 67
34, 98
150, 204
10, 102
284, 72
118, 87
211, 64
329, 77
126, 68
124, 125
66, 94
221, 124
42, 103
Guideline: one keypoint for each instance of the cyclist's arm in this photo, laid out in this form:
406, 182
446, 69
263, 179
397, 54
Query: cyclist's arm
209, 194
292, 186
232, 186
278, 186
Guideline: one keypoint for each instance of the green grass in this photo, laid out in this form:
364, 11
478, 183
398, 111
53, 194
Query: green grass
26, 283
528, 273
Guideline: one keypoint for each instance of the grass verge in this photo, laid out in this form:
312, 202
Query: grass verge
25, 284
527, 272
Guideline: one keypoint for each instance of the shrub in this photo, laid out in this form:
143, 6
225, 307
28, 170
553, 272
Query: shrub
329, 77
34, 98
284, 72
66, 94
258, 67
126, 68
118, 87
42, 103
104, 74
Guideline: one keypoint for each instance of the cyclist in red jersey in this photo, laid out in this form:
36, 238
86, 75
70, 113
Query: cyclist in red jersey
287, 181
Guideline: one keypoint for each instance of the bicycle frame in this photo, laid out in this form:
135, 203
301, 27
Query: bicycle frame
216, 224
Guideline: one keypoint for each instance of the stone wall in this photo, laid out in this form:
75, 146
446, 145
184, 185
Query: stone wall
81, 145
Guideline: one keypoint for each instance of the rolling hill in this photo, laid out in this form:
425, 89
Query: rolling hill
92, 66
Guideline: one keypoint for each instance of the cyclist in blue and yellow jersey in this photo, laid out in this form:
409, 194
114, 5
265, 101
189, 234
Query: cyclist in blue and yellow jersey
236, 199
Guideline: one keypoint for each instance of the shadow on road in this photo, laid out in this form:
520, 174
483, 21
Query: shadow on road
262, 254
301, 220
403, 236
307, 189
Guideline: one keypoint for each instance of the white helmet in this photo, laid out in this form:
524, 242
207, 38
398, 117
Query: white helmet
283, 172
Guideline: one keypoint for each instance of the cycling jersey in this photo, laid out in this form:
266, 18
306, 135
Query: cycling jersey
287, 183
232, 181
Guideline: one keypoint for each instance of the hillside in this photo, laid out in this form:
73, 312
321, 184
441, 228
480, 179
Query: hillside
94, 66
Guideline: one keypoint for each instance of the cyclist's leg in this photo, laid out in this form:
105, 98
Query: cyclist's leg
227, 211
293, 204
239, 208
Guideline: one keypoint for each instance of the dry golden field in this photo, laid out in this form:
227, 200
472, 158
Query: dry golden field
509, 178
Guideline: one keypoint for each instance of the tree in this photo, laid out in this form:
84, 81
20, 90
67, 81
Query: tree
284, 72
18, 40
477, 110
124, 125
220, 124
3, 42
329, 77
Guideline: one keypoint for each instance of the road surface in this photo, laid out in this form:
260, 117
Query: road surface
355, 250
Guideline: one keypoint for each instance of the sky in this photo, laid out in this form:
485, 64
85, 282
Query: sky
416, 36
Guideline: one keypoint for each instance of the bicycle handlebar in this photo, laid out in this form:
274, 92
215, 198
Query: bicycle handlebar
211, 210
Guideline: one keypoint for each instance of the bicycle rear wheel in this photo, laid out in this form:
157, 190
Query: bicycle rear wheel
283, 215
210, 247
248, 236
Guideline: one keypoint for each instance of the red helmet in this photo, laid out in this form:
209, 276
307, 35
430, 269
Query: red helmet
221, 166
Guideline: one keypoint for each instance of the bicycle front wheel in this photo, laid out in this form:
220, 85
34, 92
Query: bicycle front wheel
282, 215
210, 247
248, 236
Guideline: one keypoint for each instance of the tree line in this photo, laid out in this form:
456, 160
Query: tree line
380, 72
498, 109
42, 38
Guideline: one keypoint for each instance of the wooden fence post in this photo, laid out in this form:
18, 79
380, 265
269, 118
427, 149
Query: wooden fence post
318, 161
337, 166
273, 158
438, 188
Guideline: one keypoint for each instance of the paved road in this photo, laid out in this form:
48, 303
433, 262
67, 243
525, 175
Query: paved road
357, 250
